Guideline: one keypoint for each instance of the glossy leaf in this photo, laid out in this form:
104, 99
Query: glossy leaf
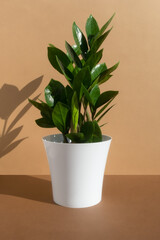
103, 108
46, 112
110, 70
52, 53
69, 93
86, 76
36, 104
87, 95
48, 96
104, 114
73, 55
105, 75
83, 76
76, 137
94, 59
104, 27
97, 70
43, 107
97, 134
77, 86
91, 28
94, 94
105, 97
87, 130
77, 49
91, 131
79, 39
75, 112
98, 42
45, 123
103, 79
68, 75
54, 92
60, 117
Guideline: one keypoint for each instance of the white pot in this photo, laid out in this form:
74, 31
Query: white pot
77, 170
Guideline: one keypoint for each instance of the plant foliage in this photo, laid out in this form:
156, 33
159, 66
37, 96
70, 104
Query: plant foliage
77, 108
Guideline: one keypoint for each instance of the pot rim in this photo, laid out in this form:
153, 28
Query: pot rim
105, 138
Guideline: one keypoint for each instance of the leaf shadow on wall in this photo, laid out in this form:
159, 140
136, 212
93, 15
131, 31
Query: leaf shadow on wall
10, 98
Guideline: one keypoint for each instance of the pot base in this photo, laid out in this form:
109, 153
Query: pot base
77, 205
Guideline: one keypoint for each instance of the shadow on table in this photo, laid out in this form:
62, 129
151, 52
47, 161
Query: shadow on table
28, 187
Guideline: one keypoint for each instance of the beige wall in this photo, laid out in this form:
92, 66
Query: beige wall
26, 27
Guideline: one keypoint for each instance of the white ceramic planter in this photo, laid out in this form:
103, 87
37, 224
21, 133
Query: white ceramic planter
77, 170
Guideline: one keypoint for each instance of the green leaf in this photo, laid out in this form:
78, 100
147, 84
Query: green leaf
69, 94
103, 125
36, 104
76, 70
77, 86
87, 95
94, 59
54, 92
75, 112
103, 79
97, 70
110, 70
73, 55
104, 27
45, 110
48, 96
77, 49
91, 131
97, 134
76, 137
103, 108
45, 123
83, 76
51, 45
87, 130
94, 94
104, 113
98, 42
81, 119
60, 117
105, 75
91, 28
68, 75
52, 53
80, 39
105, 97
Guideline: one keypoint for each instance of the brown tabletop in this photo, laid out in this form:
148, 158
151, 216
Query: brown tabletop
130, 209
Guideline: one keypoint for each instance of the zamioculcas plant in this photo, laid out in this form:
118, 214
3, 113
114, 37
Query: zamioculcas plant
76, 109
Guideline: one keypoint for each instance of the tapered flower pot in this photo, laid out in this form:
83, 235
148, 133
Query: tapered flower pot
77, 170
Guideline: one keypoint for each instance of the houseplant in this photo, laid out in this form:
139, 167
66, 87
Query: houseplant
77, 156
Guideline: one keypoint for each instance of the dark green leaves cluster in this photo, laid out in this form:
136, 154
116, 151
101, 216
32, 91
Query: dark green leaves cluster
77, 108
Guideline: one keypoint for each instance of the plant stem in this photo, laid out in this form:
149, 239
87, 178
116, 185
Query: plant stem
65, 140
